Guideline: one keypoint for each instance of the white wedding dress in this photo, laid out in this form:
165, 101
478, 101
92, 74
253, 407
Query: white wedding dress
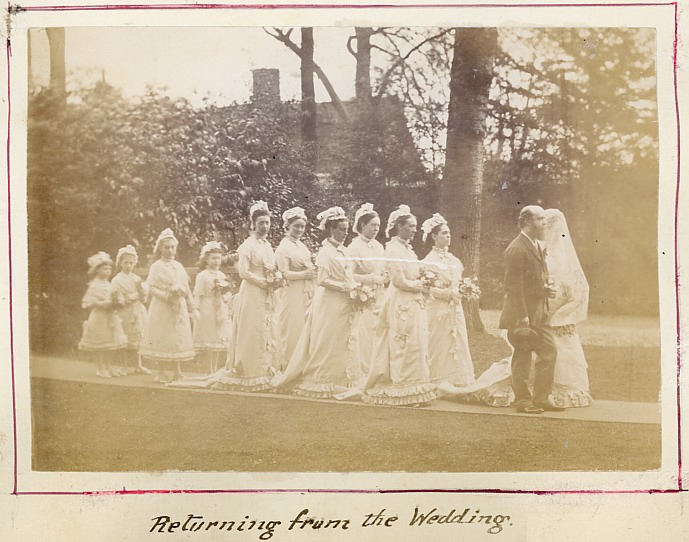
570, 306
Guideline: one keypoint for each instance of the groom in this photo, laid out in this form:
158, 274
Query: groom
525, 314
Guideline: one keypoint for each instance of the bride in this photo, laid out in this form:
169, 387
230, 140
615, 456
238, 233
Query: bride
570, 306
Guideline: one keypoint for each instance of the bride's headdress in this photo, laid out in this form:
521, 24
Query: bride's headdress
334, 213
294, 212
564, 266
428, 225
365, 209
401, 211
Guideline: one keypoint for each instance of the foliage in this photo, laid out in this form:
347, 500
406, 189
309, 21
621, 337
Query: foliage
121, 171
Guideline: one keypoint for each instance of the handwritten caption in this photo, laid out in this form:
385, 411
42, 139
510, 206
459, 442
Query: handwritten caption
307, 520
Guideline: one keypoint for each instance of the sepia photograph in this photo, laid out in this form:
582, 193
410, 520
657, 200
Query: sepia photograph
366, 272
343, 249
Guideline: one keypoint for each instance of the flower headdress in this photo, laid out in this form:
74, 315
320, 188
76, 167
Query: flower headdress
294, 212
208, 247
97, 260
129, 250
259, 205
402, 210
334, 213
365, 209
165, 234
428, 225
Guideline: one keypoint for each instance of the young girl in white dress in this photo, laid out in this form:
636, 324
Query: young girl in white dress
293, 259
368, 258
103, 335
133, 312
167, 338
325, 360
254, 352
400, 372
448, 345
211, 294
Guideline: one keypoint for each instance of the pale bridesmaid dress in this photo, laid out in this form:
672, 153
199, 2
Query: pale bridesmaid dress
293, 300
400, 373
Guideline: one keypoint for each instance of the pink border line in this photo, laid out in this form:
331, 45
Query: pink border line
108, 7
17, 9
678, 321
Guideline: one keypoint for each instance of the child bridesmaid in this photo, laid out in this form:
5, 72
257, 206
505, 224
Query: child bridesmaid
167, 337
103, 335
211, 293
133, 312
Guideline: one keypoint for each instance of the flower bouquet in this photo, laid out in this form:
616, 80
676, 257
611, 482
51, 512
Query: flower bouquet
361, 296
117, 300
469, 290
274, 278
223, 286
428, 277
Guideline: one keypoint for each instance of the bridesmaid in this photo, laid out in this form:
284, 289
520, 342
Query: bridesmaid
294, 261
368, 257
399, 372
448, 346
167, 337
325, 361
254, 352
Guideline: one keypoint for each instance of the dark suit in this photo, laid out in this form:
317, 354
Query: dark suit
526, 275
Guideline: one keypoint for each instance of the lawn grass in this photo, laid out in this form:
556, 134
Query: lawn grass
93, 427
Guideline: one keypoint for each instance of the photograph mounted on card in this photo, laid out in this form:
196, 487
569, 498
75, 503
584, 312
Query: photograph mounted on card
256, 253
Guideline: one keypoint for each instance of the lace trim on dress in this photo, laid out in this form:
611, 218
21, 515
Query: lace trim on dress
110, 345
216, 346
569, 397
241, 383
402, 395
168, 356
561, 331
324, 390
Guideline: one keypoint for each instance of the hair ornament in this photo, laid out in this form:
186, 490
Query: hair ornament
433, 222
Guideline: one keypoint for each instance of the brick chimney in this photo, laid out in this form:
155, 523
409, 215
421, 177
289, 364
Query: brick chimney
266, 86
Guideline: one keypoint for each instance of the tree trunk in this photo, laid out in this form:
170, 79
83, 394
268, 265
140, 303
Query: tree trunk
471, 76
308, 93
362, 81
58, 81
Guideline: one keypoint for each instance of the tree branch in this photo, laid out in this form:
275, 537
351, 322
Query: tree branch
284, 37
403, 59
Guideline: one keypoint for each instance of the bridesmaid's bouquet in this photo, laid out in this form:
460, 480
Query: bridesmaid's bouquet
223, 286
469, 290
428, 277
176, 292
117, 300
274, 278
361, 296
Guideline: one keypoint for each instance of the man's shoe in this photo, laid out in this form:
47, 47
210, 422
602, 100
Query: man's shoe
550, 407
529, 409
